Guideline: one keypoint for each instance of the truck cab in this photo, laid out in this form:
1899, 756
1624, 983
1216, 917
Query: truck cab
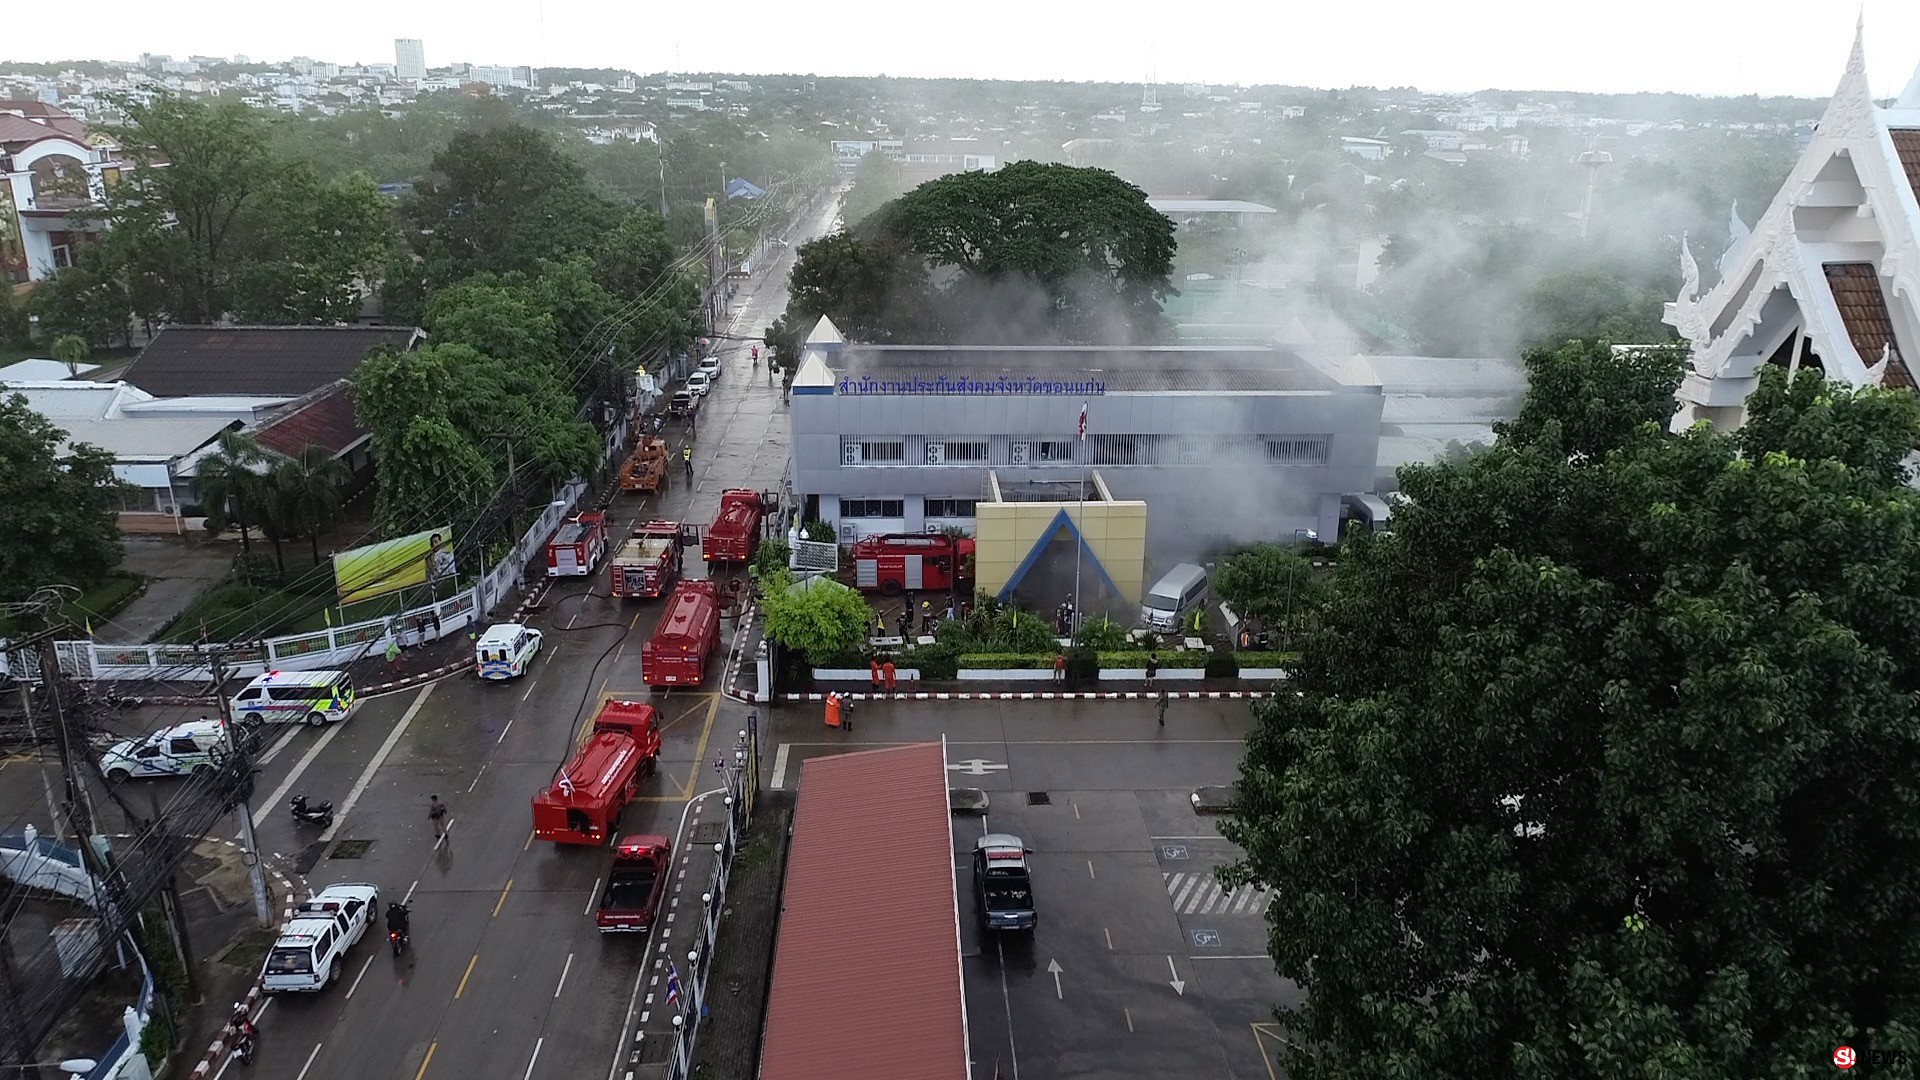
631, 899
1002, 883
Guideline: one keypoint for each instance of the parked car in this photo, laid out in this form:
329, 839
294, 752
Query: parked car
311, 952
683, 403
710, 367
699, 383
191, 749
1002, 883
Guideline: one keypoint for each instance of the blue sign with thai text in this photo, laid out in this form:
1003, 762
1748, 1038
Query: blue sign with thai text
966, 385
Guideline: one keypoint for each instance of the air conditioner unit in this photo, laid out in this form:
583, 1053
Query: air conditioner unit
933, 529
849, 532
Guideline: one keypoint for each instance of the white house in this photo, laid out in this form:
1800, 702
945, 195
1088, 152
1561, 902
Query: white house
1830, 275
1365, 149
52, 177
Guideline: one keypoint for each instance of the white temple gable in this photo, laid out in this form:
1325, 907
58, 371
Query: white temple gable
1830, 275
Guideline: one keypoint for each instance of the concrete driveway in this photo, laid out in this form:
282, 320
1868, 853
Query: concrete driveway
177, 571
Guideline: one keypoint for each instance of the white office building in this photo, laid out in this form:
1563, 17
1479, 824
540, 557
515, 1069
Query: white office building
409, 58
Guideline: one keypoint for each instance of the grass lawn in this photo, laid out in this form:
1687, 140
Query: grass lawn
101, 600
234, 608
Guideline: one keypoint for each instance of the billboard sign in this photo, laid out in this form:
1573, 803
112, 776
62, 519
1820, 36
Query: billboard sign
365, 572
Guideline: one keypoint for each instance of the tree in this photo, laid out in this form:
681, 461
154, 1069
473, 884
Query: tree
321, 244
635, 257
1596, 305
233, 487
876, 181
308, 489
71, 350
60, 525
1269, 584
820, 618
1602, 763
1030, 252
88, 300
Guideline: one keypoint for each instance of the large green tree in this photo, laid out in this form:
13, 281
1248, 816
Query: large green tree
1604, 764
60, 522
1030, 252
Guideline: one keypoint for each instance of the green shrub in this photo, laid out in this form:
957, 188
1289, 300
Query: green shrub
1083, 664
1008, 661
937, 661
158, 1039
771, 555
1222, 665
1101, 634
820, 532
1178, 660
1266, 659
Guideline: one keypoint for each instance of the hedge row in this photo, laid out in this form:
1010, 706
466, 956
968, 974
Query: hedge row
1181, 659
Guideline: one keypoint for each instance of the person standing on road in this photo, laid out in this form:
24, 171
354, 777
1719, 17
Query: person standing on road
873, 666
1163, 708
1153, 668
437, 813
887, 672
686, 457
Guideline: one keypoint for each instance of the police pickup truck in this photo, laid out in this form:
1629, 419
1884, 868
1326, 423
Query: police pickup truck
312, 949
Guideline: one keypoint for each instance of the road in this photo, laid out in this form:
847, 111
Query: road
508, 977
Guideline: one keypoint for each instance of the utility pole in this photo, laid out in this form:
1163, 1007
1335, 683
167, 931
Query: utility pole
42, 640
249, 846
660, 144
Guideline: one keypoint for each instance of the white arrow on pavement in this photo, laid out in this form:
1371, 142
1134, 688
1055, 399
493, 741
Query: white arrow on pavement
1053, 968
1179, 984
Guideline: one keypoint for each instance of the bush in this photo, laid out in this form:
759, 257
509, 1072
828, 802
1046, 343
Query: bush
819, 532
1221, 664
1083, 664
771, 555
1008, 661
1178, 660
1101, 634
937, 661
1266, 659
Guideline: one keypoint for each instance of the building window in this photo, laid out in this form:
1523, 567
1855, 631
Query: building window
855, 450
950, 452
950, 508
872, 508
1131, 450
1297, 449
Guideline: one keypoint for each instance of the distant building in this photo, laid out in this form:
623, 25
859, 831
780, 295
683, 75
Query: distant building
848, 152
409, 58
494, 75
922, 162
1365, 149
1829, 277
55, 176
1442, 140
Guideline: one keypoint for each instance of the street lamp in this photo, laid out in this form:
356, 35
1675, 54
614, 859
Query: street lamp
71, 1066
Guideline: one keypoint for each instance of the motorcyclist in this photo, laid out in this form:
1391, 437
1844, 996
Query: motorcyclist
397, 919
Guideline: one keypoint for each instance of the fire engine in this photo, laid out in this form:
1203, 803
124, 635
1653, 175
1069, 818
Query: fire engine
583, 804
577, 545
649, 562
736, 529
889, 563
676, 654
646, 468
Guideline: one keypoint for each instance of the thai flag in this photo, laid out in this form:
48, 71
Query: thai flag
673, 984
1083, 422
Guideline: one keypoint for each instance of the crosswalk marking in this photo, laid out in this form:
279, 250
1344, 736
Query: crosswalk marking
1201, 894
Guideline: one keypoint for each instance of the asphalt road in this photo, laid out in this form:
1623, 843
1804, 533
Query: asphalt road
508, 976
1122, 880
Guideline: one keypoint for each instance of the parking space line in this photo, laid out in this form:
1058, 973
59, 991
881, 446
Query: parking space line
1090, 873
1129, 1013
780, 767
592, 894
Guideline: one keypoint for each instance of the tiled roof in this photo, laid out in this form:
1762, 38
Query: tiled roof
190, 361
1115, 370
1863, 308
322, 419
866, 970
1906, 143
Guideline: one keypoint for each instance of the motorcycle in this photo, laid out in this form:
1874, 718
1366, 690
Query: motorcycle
243, 1034
321, 815
397, 936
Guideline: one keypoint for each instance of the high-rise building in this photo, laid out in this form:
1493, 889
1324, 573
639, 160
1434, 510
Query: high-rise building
409, 58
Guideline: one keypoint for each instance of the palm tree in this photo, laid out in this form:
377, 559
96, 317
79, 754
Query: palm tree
308, 490
71, 350
233, 487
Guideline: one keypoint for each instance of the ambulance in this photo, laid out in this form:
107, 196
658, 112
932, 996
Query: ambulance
505, 651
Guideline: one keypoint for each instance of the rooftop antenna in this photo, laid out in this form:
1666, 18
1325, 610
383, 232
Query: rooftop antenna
1593, 160
1149, 93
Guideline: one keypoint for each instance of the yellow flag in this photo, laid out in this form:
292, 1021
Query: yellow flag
328, 612
89, 627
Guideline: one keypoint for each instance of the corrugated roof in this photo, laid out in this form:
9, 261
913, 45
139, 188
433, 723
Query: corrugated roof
188, 361
129, 439
1863, 308
973, 370
866, 971
324, 419
1906, 143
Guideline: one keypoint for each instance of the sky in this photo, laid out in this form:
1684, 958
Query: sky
1694, 46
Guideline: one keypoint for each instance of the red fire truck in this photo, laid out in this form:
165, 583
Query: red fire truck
676, 654
583, 804
736, 529
577, 545
892, 562
648, 563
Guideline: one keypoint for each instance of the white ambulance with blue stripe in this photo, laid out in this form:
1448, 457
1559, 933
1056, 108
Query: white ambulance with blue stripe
505, 651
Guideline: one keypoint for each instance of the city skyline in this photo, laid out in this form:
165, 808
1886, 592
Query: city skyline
1724, 47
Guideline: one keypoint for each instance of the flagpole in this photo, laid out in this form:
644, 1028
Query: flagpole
1079, 526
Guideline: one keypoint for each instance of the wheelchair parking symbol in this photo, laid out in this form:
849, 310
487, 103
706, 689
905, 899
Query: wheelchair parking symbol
1173, 851
1205, 939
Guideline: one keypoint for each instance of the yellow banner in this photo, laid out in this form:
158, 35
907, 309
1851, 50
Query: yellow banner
377, 569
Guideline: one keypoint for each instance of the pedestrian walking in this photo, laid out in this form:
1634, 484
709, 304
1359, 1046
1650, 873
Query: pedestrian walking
949, 611
1060, 667
437, 813
686, 456
1163, 708
906, 624
1153, 668
874, 670
886, 670
393, 655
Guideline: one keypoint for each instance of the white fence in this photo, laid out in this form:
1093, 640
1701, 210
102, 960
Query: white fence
328, 648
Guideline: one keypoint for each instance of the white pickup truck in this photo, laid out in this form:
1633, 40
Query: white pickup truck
312, 949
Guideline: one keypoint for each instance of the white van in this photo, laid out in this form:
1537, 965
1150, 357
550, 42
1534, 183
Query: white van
1181, 592
195, 748
280, 697
505, 650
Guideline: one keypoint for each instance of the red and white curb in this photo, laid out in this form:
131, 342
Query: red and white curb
1061, 695
736, 659
411, 681
252, 999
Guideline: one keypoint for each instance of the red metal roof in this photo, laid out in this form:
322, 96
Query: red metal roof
1863, 308
325, 419
866, 971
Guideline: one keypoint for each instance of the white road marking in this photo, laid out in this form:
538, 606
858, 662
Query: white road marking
1199, 893
261, 812
409, 897
593, 895
620, 1050
362, 975
531, 683
1129, 1013
379, 758
309, 1064
780, 767
557, 989
279, 744
1006, 1002
503, 732
536, 1055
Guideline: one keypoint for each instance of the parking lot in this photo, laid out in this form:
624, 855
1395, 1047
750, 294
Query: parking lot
1141, 964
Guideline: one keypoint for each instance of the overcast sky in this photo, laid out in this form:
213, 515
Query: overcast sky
1697, 46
